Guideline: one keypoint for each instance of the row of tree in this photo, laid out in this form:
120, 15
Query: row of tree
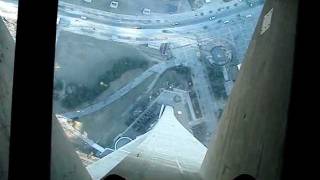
216, 78
81, 94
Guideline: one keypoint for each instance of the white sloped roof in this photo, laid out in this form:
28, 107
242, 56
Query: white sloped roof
168, 143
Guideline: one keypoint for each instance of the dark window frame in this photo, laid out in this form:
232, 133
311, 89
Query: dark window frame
31, 114
30, 138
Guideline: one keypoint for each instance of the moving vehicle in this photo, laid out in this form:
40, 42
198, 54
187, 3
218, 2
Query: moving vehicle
212, 18
175, 24
83, 17
146, 11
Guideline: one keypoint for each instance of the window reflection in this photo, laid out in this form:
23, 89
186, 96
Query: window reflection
119, 62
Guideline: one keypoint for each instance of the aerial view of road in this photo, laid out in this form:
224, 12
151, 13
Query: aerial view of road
118, 61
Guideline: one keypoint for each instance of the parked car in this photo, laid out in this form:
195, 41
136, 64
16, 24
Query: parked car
146, 11
114, 4
212, 18
175, 24
166, 31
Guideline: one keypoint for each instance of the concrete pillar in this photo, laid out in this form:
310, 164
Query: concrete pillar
252, 128
6, 76
65, 164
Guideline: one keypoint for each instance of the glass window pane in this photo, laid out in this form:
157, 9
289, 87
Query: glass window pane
121, 66
8, 19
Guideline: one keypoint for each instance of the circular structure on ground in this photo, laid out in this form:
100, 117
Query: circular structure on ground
220, 55
121, 142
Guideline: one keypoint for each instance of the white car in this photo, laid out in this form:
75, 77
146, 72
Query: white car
83, 17
226, 22
212, 18
146, 11
248, 16
174, 24
114, 4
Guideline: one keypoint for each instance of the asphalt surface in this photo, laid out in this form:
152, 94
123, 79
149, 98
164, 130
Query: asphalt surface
152, 22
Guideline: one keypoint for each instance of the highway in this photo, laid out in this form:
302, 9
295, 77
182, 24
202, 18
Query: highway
123, 28
155, 21
134, 29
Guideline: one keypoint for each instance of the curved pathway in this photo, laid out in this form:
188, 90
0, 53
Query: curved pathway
158, 68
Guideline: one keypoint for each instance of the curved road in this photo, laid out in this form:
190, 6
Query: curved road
157, 21
159, 68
